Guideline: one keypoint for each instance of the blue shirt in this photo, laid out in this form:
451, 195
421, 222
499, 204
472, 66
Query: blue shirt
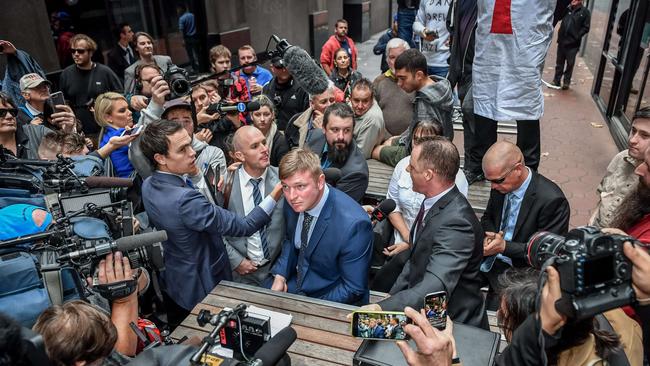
119, 157
186, 25
516, 197
324, 160
262, 77
315, 212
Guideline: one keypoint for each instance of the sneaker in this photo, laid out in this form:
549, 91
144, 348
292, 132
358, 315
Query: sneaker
553, 85
473, 177
565, 86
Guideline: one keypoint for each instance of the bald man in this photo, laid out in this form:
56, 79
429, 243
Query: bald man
522, 202
252, 257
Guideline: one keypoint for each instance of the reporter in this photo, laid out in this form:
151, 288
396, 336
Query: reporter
113, 114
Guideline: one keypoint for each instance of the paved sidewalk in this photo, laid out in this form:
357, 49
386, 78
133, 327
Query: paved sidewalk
576, 143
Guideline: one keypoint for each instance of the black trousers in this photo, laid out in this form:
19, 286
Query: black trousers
565, 55
472, 159
527, 138
175, 313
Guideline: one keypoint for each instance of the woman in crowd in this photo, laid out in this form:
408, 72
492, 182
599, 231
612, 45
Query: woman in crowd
264, 120
20, 141
144, 47
113, 115
400, 189
582, 342
343, 75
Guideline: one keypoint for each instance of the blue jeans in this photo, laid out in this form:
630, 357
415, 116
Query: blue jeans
438, 71
405, 19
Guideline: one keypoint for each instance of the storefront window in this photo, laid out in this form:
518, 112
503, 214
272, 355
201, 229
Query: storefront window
596, 35
640, 93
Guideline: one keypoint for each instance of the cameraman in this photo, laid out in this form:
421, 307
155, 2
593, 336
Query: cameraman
78, 333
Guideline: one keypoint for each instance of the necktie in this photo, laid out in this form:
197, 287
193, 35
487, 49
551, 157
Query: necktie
189, 183
129, 56
418, 222
257, 198
488, 262
304, 241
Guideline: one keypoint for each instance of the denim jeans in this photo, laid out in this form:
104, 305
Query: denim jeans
438, 71
405, 19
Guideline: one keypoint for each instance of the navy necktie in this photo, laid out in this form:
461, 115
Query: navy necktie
257, 198
304, 241
189, 183
488, 262
418, 222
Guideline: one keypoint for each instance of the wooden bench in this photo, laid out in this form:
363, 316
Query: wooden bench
323, 331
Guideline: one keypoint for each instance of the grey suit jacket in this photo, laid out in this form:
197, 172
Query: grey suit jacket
275, 230
162, 61
446, 256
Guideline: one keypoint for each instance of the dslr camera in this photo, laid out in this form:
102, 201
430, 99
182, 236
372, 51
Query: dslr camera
178, 82
595, 275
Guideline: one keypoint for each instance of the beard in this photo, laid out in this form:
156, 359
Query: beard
633, 208
336, 156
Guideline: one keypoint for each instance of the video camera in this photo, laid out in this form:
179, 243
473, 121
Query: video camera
595, 274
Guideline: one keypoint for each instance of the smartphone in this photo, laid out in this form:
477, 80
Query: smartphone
431, 32
435, 308
133, 131
56, 99
379, 325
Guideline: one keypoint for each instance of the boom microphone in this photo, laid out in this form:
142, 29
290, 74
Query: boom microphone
273, 350
383, 209
239, 107
305, 70
108, 182
124, 244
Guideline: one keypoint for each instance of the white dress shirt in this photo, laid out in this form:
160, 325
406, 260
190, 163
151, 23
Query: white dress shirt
254, 242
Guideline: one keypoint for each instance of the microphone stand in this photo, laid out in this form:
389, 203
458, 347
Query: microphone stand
219, 321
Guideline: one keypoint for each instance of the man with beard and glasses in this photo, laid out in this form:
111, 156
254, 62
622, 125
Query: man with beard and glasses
633, 215
334, 145
620, 178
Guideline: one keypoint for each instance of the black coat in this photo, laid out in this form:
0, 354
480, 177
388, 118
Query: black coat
115, 60
446, 256
575, 24
280, 148
544, 208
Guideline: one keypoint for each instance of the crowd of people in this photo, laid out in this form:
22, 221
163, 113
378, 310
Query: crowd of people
278, 220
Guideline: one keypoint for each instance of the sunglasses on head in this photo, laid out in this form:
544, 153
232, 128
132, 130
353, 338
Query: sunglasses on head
12, 111
80, 51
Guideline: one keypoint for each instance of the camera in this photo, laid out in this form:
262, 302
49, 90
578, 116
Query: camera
595, 275
226, 82
178, 82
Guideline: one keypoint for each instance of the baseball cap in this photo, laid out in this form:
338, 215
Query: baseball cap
32, 80
277, 62
175, 103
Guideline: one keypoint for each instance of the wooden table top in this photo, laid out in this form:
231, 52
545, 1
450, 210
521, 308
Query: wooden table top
323, 331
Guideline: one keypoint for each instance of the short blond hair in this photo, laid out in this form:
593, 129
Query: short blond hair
92, 45
104, 105
219, 51
300, 160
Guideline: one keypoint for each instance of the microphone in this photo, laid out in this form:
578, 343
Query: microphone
332, 176
305, 70
382, 210
239, 107
108, 182
275, 349
124, 244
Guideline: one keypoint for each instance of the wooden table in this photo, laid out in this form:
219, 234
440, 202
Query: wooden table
323, 331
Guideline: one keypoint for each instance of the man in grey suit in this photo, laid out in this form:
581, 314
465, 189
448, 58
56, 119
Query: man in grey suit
446, 240
251, 258
336, 148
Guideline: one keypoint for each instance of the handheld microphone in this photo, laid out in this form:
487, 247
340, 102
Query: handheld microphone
383, 209
332, 176
239, 107
305, 70
275, 349
124, 244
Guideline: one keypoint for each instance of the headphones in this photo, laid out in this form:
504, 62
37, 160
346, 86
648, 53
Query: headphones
138, 71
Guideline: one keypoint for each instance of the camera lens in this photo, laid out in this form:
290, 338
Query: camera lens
542, 246
181, 87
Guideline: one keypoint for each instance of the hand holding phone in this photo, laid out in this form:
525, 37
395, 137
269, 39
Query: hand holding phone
379, 325
134, 131
435, 309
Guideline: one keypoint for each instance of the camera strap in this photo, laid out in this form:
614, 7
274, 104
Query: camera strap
117, 290
615, 357
52, 281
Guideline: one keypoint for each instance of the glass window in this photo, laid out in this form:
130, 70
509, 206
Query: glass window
596, 35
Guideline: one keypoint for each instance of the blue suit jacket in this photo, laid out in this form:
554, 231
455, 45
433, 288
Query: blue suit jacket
337, 259
195, 256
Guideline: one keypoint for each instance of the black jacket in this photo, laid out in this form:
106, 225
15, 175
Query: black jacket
290, 99
446, 256
575, 24
280, 148
544, 208
115, 60
462, 40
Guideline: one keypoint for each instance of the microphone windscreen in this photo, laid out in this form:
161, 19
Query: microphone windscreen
332, 175
127, 243
305, 71
108, 182
386, 206
253, 106
273, 350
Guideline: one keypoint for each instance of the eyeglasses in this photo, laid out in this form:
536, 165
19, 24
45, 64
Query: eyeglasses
502, 179
13, 112
80, 51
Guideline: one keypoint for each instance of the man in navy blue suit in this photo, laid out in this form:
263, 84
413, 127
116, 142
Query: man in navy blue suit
195, 256
327, 249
